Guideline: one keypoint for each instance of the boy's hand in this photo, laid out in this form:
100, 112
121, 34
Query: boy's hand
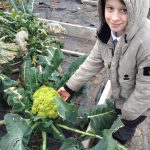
63, 93
126, 132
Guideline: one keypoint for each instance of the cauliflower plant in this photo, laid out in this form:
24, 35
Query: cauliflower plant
43, 102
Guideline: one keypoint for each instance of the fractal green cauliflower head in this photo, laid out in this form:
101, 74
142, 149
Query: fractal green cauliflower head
43, 102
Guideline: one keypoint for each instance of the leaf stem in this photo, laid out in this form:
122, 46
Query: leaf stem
79, 131
122, 147
93, 116
57, 132
44, 136
35, 125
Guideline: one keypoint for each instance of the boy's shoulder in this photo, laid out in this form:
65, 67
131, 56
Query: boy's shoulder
143, 32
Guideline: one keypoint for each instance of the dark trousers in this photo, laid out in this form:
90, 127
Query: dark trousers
126, 132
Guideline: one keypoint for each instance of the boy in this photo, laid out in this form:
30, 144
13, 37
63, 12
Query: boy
127, 63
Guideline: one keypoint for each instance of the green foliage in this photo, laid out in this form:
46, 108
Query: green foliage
6, 82
73, 66
72, 144
108, 143
18, 133
15, 98
102, 117
26, 6
29, 75
66, 111
24, 32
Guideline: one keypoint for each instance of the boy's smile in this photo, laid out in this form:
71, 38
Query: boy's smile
116, 16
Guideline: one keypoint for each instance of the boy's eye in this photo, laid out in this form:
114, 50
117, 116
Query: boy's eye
124, 11
110, 8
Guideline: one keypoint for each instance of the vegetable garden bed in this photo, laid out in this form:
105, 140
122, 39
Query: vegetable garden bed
35, 108
48, 66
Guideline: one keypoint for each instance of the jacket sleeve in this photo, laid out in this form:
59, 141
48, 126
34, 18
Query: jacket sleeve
90, 67
139, 101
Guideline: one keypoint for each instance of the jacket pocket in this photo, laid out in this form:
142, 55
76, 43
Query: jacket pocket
127, 79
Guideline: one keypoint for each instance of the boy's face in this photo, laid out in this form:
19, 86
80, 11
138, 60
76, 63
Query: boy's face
116, 16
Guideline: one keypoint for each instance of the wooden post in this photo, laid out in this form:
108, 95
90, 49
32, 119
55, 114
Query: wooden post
105, 95
91, 2
1, 5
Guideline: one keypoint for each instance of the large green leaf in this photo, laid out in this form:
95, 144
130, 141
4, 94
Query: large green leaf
6, 82
30, 76
102, 117
52, 64
26, 6
30, 4
15, 97
72, 68
66, 111
107, 142
56, 132
18, 133
116, 124
32, 79
46, 57
72, 144
26, 65
14, 3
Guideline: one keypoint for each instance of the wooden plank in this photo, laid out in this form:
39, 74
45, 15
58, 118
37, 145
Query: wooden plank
76, 30
105, 95
90, 2
72, 52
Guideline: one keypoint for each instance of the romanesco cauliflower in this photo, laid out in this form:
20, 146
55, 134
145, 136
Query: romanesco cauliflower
43, 102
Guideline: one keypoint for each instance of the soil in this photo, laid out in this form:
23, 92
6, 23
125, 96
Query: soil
69, 11
73, 12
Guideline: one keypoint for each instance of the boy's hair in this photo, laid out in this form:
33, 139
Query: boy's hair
103, 5
122, 2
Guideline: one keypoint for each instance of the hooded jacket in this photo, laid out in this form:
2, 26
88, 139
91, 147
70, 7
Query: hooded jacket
129, 67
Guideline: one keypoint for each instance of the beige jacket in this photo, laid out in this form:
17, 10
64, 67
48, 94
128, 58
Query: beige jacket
129, 68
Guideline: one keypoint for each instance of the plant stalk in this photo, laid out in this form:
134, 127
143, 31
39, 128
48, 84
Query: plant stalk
79, 131
86, 133
44, 140
35, 125
93, 116
61, 136
122, 147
